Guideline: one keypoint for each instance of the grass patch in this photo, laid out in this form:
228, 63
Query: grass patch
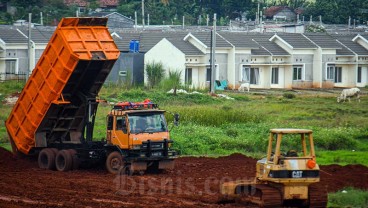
6, 146
217, 126
342, 157
349, 197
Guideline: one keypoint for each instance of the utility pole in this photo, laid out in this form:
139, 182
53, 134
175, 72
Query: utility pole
41, 22
29, 46
183, 22
135, 20
143, 13
258, 14
213, 52
148, 20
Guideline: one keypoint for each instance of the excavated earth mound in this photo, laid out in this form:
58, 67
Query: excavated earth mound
194, 183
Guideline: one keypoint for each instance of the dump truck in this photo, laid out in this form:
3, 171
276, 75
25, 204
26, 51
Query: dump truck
55, 113
286, 177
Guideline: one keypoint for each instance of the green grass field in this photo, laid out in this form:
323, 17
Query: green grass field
214, 126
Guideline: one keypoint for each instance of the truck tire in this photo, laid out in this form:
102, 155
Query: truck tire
64, 161
54, 150
114, 162
46, 159
75, 159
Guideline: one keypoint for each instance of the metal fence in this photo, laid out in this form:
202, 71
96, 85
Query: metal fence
20, 77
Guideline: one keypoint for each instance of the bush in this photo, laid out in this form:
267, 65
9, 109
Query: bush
288, 95
171, 82
155, 73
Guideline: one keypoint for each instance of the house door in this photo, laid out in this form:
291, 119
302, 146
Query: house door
188, 76
338, 74
275, 75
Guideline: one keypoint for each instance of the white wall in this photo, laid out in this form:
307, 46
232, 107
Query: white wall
166, 53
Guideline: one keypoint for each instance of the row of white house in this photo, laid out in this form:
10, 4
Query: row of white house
268, 60
281, 60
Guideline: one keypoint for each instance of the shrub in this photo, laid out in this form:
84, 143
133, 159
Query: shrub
155, 73
288, 95
171, 82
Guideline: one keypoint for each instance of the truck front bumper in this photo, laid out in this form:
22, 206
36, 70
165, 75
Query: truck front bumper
152, 152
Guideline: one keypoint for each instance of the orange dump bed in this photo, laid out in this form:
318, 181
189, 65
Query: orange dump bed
71, 70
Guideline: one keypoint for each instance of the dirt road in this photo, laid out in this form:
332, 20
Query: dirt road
194, 183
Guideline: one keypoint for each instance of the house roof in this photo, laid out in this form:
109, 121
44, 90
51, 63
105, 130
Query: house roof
149, 39
323, 40
109, 3
347, 41
37, 35
344, 51
108, 14
271, 11
297, 40
205, 38
184, 46
271, 47
11, 35
83, 3
123, 41
239, 40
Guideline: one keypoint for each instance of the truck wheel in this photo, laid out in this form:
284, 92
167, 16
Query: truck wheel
64, 161
54, 150
114, 162
46, 159
75, 158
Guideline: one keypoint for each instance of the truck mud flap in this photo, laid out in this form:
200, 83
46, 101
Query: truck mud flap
138, 166
166, 164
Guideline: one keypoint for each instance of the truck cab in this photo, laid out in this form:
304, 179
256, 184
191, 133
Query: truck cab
139, 132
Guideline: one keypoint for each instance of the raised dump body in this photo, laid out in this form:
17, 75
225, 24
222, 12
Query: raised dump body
53, 105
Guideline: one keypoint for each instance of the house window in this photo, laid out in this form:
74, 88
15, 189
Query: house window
297, 72
208, 75
250, 75
359, 78
10, 66
330, 72
275, 75
81, 9
188, 76
338, 74
123, 73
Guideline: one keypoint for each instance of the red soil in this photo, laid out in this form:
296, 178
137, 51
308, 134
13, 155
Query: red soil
194, 183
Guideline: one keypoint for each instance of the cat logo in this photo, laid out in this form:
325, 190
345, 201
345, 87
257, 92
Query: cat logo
297, 174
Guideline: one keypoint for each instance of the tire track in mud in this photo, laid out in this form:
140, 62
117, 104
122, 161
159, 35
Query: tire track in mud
194, 183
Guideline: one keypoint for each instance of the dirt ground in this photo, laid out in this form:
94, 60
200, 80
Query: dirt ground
194, 183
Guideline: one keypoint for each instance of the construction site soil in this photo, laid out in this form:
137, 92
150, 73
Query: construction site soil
194, 183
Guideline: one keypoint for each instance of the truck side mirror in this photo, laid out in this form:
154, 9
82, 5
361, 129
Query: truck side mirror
176, 119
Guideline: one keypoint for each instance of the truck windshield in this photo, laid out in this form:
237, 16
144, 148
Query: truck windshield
147, 123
